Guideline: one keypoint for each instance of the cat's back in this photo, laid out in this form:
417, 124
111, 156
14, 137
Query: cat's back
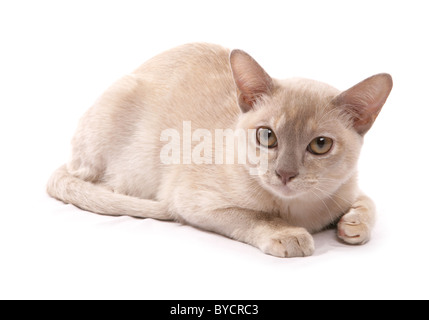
191, 57
118, 139
192, 82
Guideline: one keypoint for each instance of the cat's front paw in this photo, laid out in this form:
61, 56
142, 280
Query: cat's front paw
288, 243
353, 227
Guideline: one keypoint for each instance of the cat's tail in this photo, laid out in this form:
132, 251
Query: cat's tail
95, 198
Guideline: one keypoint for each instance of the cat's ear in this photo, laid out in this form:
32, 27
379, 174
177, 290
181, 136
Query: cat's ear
251, 79
365, 100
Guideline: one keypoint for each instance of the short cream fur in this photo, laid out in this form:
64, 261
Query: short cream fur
115, 166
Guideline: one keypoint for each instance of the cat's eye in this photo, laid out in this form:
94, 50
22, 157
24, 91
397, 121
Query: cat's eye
320, 145
266, 137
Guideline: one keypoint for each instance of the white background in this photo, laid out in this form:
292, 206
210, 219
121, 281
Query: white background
56, 57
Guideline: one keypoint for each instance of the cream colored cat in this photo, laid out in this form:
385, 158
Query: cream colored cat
310, 133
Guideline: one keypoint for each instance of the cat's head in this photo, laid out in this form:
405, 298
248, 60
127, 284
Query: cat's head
312, 132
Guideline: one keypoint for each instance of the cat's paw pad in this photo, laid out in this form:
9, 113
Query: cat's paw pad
352, 229
289, 243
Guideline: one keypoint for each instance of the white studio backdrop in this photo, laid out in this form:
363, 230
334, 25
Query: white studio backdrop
57, 57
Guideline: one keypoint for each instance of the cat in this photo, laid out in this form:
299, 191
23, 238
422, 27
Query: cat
310, 133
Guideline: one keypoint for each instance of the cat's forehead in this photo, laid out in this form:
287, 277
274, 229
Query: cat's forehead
303, 98
300, 94
302, 103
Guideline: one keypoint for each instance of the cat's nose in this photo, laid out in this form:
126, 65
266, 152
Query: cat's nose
286, 176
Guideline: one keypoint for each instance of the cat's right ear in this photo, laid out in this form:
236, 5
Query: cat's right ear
251, 79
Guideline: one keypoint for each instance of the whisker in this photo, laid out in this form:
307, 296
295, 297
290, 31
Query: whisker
329, 210
331, 197
334, 182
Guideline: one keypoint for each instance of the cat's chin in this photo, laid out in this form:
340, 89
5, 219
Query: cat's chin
285, 191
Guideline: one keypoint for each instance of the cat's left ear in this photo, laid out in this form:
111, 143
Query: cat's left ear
251, 79
365, 100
